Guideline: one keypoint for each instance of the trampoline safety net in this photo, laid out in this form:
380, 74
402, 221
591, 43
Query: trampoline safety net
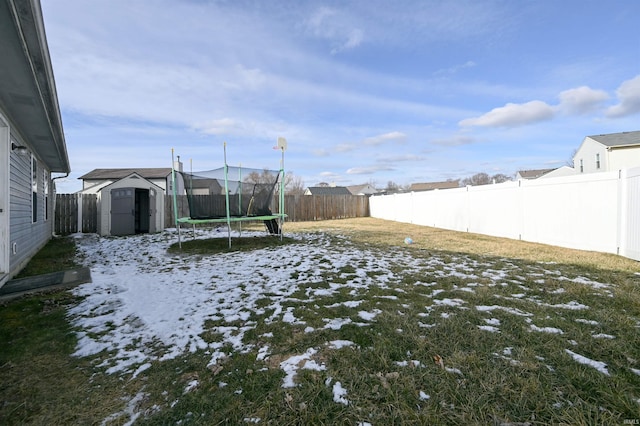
251, 192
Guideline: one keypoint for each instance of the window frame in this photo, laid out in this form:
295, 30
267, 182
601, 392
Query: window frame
34, 189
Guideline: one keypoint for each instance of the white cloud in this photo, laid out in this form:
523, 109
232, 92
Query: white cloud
369, 170
629, 96
512, 115
396, 137
455, 140
334, 26
581, 100
345, 147
406, 157
223, 126
454, 69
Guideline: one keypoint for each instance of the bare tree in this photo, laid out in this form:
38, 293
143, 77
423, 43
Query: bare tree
570, 161
392, 187
293, 185
323, 184
499, 178
477, 179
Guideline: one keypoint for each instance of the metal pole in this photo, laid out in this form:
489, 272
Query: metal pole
226, 193
240, 197
175, 201
281, 206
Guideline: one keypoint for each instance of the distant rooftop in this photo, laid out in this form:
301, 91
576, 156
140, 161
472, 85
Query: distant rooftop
533, 174
329, 190
430, 186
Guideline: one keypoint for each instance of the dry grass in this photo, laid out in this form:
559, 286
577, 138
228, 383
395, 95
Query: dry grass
385, 232
513, 376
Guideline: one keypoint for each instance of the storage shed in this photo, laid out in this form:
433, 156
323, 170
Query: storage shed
131, 205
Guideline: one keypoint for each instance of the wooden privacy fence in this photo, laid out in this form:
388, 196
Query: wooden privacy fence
299, 208
75, 213
69, 218
302, 208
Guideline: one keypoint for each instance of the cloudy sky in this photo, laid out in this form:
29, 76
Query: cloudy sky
363, 91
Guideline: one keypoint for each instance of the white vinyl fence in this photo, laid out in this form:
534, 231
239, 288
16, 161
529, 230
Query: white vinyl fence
595, 211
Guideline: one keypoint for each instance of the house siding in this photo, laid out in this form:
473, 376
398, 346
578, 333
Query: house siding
26, 236
587, 154
624, 158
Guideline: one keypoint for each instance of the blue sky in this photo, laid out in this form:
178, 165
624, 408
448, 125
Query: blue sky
363, 91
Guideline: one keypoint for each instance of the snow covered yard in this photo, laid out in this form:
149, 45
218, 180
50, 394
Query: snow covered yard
332, 330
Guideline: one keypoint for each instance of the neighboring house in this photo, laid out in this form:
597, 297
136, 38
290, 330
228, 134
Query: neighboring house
365, 189
430, 186
603, 153
560, 171
327, 190
32, 144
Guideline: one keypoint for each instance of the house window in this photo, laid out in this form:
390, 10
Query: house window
581, 165
34, 188
597, 161
45, 186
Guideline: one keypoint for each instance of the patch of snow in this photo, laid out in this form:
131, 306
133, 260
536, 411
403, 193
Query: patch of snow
492, 321
339, 344
424, 396
513, 311
573, 305
449, 302
598, 365
129, 410
348, 304
551, 330
190, 386
586, 321
603, 336
388, 297
369, 316
489, 328
291, 365
336, 323
140, 369
339, 394
263, 353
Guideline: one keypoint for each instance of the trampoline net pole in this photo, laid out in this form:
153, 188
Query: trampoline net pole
226, 194
175, 201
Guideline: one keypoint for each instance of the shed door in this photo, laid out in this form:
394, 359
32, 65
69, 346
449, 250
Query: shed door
123, 211
152, 210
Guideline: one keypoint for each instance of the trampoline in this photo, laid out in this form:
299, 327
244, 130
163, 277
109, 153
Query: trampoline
232, 194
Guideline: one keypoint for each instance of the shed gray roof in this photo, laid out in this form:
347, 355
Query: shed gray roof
618, 139
148, 173
329, 190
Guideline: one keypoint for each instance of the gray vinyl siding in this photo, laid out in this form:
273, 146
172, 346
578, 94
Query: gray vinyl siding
28, 236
